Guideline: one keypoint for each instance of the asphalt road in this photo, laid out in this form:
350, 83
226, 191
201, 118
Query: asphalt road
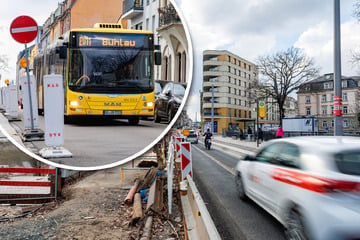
213, 174
95, 143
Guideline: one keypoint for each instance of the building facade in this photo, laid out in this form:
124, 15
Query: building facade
227, 78
316, 98
161, 17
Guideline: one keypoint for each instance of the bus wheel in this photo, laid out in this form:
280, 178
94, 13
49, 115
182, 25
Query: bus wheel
134, 121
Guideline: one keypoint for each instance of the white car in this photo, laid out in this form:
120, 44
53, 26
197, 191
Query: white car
310, 184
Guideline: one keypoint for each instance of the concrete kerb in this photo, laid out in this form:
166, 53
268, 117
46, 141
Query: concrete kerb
234, 146
5, 125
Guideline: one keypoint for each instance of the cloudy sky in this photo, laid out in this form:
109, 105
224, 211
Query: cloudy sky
248, 28
253, 28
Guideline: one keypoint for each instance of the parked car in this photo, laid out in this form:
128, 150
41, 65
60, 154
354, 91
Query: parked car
159, 85
310, 184
168, 101
192, 138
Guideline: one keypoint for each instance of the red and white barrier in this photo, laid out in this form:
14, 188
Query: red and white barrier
177, 147
186, 160
26, 184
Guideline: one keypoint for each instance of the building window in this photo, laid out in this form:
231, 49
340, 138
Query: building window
147, 21
240, 83
344, 84
324, 124
323, 98
332, 110
344, 97
239, 102
239, 92
229, 112
345, 124
153, 23
229, 69
249, 114
307, 99
327, 85
345, 110
324, 110
229, 100
332, 97
229, 80
229, 89
245, 114
239, 113
308, 111
332, 123
245, 84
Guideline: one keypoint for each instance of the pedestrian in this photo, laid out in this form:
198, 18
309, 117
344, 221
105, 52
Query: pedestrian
260, 134
279, 132
249, 131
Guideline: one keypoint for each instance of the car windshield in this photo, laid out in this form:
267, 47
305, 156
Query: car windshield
348, 163
179, 90
192, 135
110, 70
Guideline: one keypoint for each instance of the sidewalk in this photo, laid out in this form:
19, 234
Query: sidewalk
235, 146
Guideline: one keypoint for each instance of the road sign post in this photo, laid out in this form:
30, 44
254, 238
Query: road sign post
24, 29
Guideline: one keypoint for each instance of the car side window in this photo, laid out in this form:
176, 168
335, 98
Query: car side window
289, 156
270, 153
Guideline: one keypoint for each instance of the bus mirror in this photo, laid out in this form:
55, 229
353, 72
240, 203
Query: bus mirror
157, 58
62, 51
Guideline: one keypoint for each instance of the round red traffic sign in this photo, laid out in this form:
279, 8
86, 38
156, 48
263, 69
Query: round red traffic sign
24, 29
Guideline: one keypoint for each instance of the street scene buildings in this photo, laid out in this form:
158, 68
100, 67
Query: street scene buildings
227, 79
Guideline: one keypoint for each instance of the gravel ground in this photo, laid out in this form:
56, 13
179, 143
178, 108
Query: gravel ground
92, 208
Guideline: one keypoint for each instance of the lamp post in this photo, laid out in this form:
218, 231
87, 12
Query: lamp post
212, 108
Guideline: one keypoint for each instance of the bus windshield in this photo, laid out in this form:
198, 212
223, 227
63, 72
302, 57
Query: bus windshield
110, 70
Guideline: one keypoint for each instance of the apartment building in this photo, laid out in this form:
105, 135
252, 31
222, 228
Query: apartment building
161, 17
316, 98
228, 79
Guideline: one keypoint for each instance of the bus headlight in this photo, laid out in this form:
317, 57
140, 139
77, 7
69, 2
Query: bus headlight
148, 104
74, 103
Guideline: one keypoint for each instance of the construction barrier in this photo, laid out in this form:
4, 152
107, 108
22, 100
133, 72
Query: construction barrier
198, 222
29, 185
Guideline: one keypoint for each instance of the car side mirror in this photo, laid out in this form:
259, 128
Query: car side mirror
249, 158
168, 93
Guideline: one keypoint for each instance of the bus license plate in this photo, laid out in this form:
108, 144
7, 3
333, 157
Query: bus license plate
109, 112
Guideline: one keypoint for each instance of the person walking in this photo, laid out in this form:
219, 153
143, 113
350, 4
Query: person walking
260, 135
279, 132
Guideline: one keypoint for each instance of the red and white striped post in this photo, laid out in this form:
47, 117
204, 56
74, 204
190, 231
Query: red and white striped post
186, 160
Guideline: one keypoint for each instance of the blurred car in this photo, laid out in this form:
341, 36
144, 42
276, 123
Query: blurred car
310, 184
168, 101
192, 138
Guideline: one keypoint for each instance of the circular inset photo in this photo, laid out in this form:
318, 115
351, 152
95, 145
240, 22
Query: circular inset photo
91, 86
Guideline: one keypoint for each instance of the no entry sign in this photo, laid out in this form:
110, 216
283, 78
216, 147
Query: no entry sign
24, 29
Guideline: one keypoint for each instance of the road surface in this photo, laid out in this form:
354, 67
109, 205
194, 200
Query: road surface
213, 173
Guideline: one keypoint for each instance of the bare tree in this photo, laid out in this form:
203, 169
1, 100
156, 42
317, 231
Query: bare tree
283, 73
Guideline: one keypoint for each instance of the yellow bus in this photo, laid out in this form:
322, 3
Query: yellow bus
107, 72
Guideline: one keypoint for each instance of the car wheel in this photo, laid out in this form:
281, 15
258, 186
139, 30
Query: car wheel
240, 187
157, 118
295, 229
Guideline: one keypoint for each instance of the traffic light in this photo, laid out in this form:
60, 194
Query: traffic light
262, 109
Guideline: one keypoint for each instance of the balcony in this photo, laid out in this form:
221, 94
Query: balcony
132, 8
168, 15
